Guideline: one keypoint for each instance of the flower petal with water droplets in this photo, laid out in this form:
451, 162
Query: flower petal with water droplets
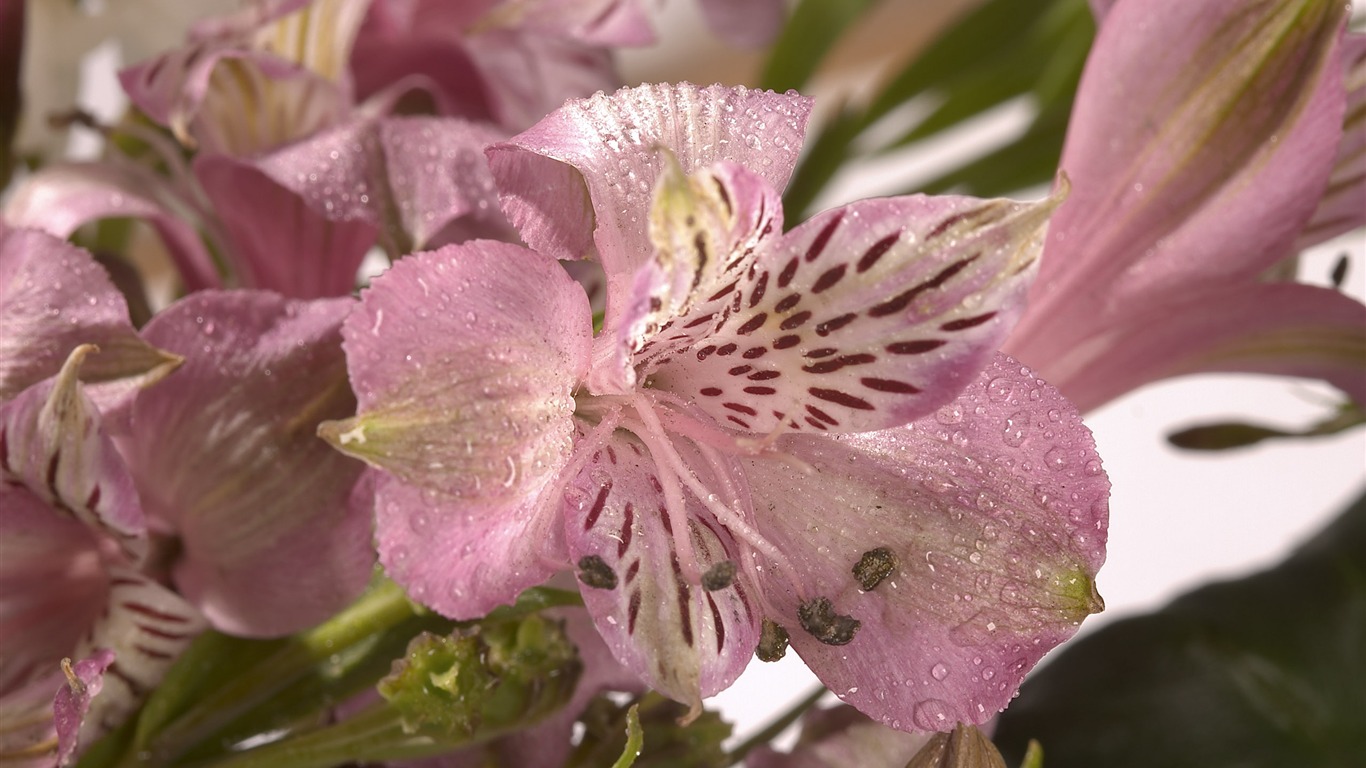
687, 641
987, 521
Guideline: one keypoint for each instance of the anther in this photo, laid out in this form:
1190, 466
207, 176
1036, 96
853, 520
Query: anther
874, 566
818, 617
596, 573
772, 641
719, 576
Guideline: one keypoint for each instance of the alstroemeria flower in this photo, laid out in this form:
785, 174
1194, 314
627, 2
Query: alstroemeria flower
273, 527
72, 536
1201, 150
53, 298
801, 435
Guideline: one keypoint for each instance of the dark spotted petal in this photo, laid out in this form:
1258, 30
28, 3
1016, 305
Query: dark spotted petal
965, 545
865, 317
660, 620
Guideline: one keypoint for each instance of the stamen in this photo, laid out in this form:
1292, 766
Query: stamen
773, 641
719, 576
874, 566
818, 617
595, 572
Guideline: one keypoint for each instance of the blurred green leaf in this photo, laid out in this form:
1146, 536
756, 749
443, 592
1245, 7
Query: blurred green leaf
815, 26
635, 739
1267, 671
1221, 437
1029, 160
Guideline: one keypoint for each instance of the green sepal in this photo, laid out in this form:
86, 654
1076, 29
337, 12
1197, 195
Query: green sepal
667, 744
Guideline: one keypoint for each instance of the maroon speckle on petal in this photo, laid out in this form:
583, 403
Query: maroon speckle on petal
830, 366
718, 623
710, 391
760, 288
830, 326
889, 385
841, 398
967, 322
627, 529
632, 611
817, 354
740, 408
914, 347
829, 278
760, 390
795, 321
753, 324
788, 302
754, 353
879, 249
902, 300
789, 272
823, 238
783, 342
822, 415
596, 511
764, 375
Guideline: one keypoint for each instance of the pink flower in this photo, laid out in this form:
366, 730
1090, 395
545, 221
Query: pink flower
804, 434
1210, 142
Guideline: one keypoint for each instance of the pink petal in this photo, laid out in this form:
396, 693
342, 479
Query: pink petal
865, 317
278, 242
1192, 168
59, 199
51, 443
463, 558
686, 641
746, 23
1286, 329
1343, 206
528, 75
584, 174
53, 297
72, 702
965, 545
463, 361
274, 527
417, 180
53, 585
602, 23
842, 737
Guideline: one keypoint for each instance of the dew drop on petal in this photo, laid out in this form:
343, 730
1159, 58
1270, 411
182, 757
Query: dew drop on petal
933, 715
939, 671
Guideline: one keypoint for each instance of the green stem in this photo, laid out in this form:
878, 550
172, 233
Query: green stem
374, 735
382, 608
776, 727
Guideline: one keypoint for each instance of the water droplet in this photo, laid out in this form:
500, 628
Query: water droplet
999, 390
939, 671
1092, 467
933, 715
1016, 426
1057, 459
949, 414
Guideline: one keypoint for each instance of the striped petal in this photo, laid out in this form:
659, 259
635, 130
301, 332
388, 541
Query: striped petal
583, 176
688, 638
225, 453
932, 565
1343, 206
864, 317
1279, 328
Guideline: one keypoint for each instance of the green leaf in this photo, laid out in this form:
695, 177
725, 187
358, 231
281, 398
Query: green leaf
814, 27
1221, 437
1266, 671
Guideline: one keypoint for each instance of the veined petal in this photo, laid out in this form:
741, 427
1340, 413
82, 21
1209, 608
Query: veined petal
585, 173
463, 361
687, 639
59, 199
52, 444
317, 36
280, 243
54, 297
603, 23
226, 453
1343, 206
964, 546
1278, 328
864, 317
527, 75
1191, 168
